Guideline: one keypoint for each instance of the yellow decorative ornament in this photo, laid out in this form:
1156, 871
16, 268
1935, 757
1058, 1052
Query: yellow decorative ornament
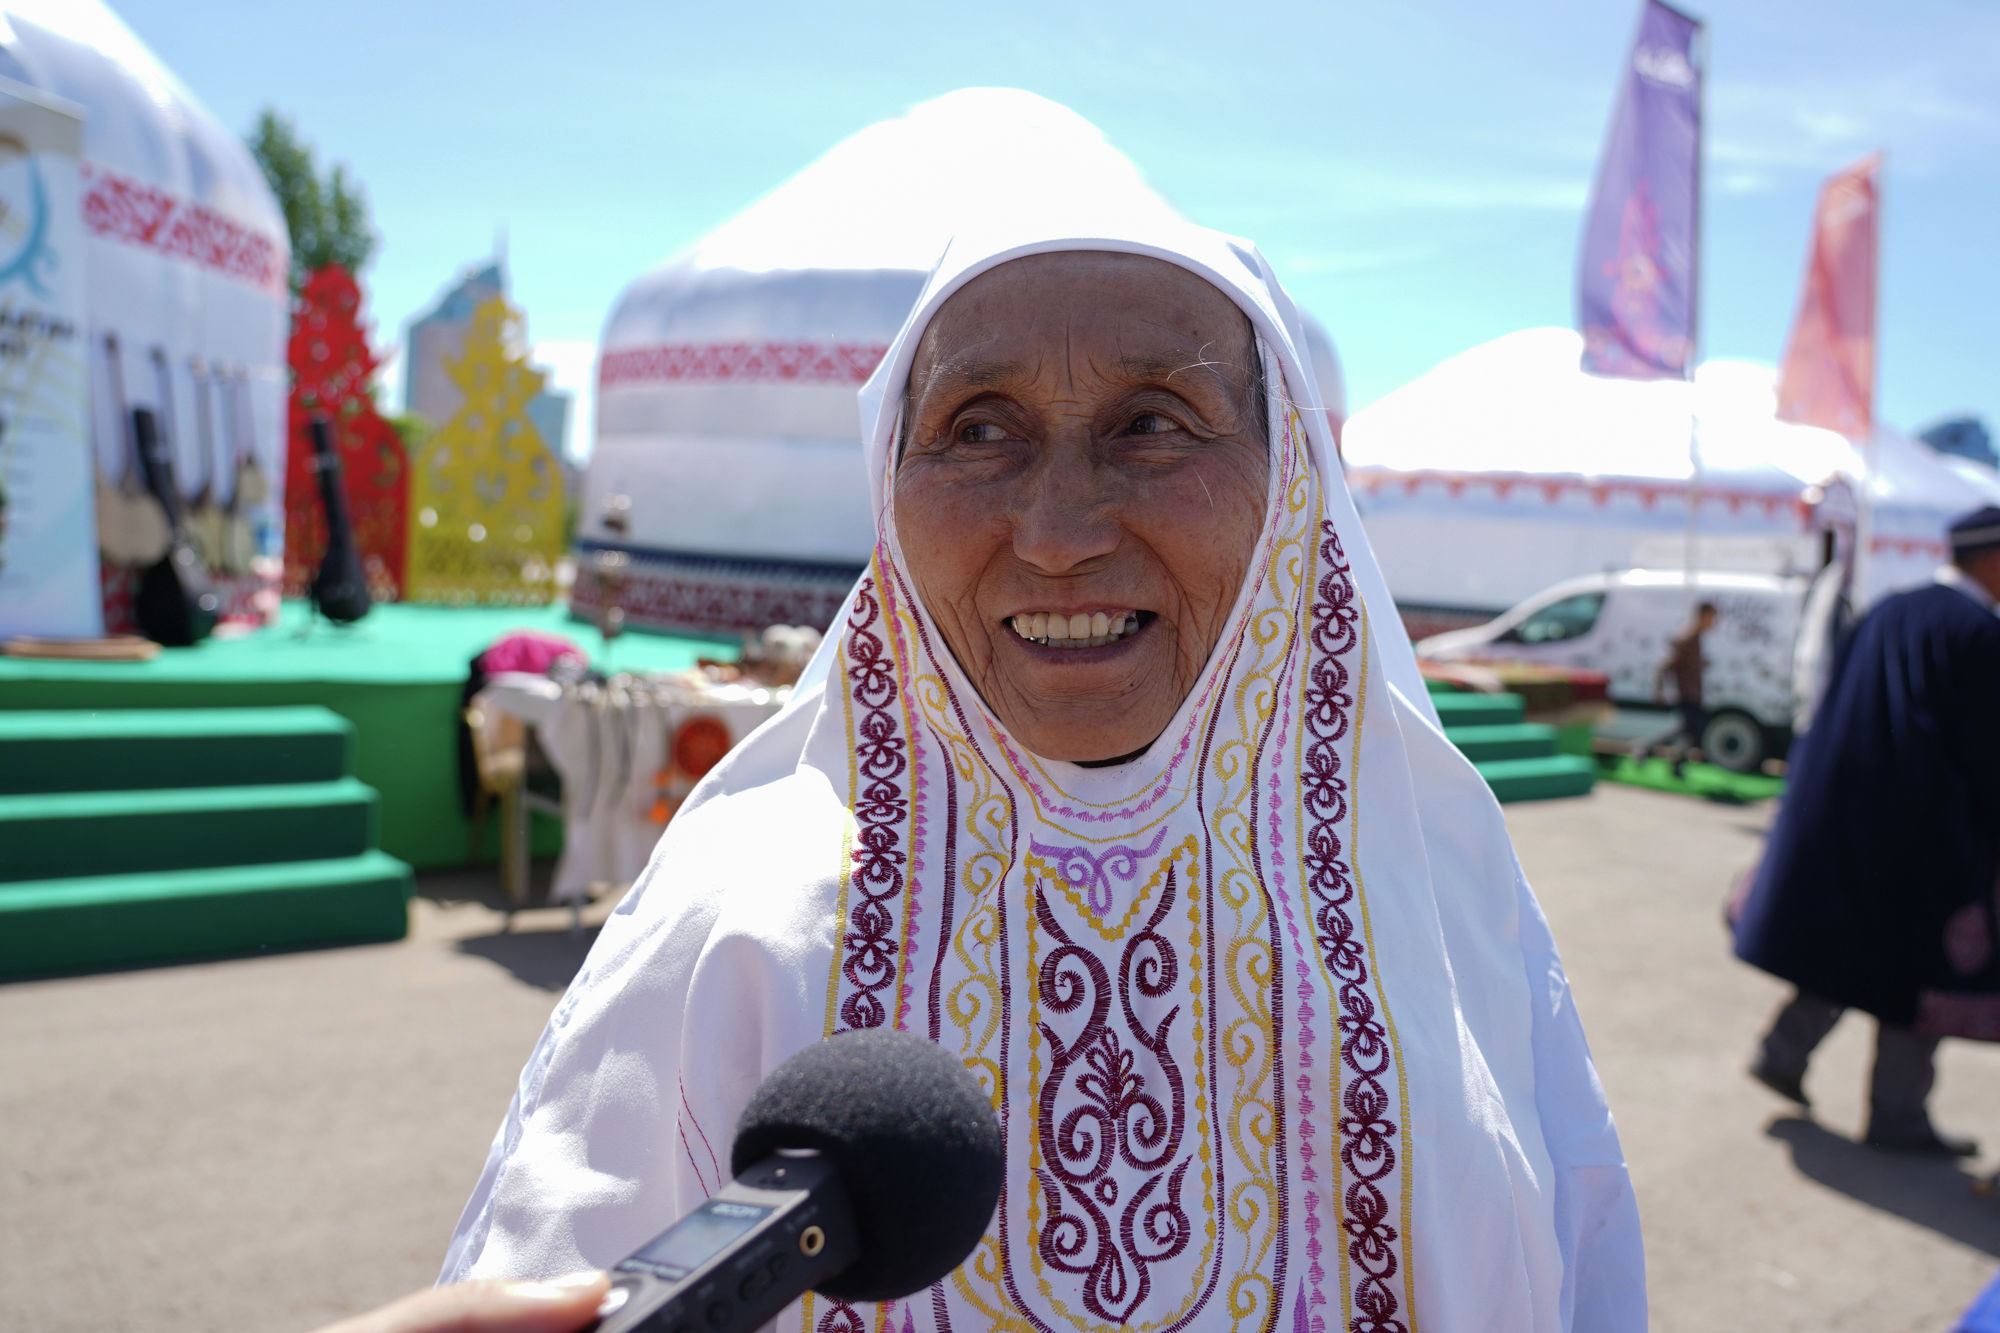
486, 503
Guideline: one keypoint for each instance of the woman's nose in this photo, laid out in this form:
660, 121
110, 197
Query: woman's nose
1066, 514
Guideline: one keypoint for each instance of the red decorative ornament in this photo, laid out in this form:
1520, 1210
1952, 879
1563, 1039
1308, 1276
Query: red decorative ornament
332, 368
700, 744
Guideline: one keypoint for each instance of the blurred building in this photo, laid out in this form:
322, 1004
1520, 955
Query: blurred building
439, 333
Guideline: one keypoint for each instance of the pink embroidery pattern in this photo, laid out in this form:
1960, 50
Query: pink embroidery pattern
125, 209
1367, 1135
742, 363
881, 756
1112, 1118
1092, 872
1162, 787
1308, 1135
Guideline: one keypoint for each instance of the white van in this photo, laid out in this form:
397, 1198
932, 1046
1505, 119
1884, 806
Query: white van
1621, 624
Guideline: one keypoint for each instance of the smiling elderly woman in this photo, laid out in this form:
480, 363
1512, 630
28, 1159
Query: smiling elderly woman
1116, 779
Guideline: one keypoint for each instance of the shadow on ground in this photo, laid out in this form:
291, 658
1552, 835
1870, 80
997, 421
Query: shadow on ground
1929, 1191
481, 884
546, 959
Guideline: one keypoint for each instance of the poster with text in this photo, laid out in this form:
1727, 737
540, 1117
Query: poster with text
48, 531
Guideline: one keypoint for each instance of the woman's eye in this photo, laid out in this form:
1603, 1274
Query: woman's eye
980, 432
1151, 423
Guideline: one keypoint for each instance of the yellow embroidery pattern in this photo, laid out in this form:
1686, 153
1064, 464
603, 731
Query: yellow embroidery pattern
1255, 1202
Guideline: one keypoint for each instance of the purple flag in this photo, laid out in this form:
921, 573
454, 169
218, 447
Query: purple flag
1635, 282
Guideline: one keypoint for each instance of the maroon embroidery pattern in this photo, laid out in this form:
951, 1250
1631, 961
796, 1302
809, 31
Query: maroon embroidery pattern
664, 595
881, 756
125, 209
1112, 1117
840, 1317
1367, 1134
742, 363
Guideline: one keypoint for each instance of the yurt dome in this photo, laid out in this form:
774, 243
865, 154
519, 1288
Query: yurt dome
187, 258
727, 467
1506, 469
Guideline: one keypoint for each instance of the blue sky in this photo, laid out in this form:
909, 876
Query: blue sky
1416, 169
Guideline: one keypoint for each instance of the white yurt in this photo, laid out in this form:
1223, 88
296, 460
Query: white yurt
186, 300
1507, 469
725, 481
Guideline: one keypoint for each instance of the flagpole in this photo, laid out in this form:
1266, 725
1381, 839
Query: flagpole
1864, 511
1691, 561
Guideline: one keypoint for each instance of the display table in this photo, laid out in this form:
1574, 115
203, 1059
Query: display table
628, 751
398, 676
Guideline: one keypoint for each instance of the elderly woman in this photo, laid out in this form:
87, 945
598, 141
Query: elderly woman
1116, 779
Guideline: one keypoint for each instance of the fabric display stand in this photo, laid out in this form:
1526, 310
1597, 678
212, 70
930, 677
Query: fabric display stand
628, 750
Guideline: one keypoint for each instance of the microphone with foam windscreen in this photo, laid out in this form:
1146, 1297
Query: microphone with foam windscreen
867, 1167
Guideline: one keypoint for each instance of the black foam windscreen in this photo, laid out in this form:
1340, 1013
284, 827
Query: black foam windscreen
914, 1139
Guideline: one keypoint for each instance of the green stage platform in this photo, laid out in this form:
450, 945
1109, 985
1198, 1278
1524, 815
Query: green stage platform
1520, 760
396, 677
139, 835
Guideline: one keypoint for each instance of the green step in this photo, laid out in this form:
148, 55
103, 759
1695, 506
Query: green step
59, 834
1440, 686
1539, 779
134, 748
1477, 710
1510, 740
79, 924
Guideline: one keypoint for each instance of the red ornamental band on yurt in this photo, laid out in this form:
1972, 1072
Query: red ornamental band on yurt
332, 371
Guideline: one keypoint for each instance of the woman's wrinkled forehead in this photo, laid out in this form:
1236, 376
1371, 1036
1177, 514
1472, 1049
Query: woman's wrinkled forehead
1129, 316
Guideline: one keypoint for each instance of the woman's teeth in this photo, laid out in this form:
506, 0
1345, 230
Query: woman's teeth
1077, 631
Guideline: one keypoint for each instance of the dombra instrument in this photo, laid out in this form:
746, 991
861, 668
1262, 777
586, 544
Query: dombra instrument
205, 517
867, 1168
177, 603
250, 489
340, 588
131, 526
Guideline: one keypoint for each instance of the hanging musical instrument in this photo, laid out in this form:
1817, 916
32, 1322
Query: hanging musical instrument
177, 603
205, 517
131, 526
340, 588
248, 489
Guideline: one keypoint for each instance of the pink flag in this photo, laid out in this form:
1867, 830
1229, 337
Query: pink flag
1828, 378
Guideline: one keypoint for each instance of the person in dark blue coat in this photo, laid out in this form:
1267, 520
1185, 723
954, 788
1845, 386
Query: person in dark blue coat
1877, 888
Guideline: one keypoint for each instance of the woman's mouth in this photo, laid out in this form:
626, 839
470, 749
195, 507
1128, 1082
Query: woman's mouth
1078, 629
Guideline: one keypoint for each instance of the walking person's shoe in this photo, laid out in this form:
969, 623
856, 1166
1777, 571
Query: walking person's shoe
1786, 1083
1923, 1140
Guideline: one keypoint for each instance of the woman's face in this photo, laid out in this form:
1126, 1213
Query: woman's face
1080, 491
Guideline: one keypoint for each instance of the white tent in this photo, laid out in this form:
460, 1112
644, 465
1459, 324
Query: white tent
728, 444
1506, 469
186, 254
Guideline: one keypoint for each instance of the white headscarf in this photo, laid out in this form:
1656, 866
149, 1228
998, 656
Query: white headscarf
1274, 1026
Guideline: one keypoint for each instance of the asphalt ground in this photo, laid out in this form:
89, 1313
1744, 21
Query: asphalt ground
268, 1144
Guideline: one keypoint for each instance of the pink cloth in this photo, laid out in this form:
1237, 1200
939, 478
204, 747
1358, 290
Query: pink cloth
528, 650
